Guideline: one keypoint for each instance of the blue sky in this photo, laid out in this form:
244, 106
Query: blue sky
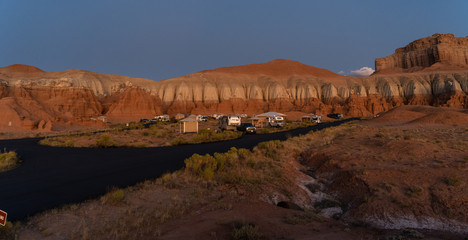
160, 39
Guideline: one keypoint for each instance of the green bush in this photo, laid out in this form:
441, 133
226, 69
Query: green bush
45, 141
236, 166
118, 195
69, 143
8, 161
203, 166
207, 166
105, 141
206, 135
270, 145
57, 142
178, 141
113, 197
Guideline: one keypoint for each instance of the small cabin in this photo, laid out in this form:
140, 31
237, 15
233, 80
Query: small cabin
189, 125
179, 116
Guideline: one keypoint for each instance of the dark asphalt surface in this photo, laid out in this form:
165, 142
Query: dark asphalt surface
50, 177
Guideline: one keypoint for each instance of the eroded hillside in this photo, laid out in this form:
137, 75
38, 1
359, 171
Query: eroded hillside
36, 100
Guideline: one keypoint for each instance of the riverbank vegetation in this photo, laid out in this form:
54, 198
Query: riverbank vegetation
156, 135
8, 160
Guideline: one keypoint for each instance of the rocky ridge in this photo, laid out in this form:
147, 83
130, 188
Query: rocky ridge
37, 100
438, 52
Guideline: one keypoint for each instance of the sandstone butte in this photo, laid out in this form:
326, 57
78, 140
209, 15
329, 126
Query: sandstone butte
429, 71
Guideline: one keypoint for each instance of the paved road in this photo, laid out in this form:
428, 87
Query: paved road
50, 177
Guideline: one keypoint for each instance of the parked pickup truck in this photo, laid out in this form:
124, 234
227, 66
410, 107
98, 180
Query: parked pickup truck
335, 115
247, 128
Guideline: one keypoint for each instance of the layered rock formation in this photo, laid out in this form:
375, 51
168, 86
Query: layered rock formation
34, 99
218, 91
438, 52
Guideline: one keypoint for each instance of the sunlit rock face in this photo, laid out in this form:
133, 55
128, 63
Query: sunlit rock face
260, 87
438, 52
37, 100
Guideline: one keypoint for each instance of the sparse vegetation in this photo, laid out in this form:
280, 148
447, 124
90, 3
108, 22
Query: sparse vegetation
237, 166
105, 141
302, 218
113, 197
453, 180
245, 231
206, 135
414, 191
8, 160
57, 142
8, 231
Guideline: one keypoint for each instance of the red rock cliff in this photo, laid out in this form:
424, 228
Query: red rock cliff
438, 52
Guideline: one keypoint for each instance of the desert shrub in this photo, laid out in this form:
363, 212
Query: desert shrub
69, 143
413, 191
270, 145
118, 195
8, 160
88, 133
178, 141
270, 149
45, 141
7, 231
114, 197
57, 142
453, 180
105, 141
305, 217
236, 166
159, 131
387, 187
203, 166
379, 135
245, 231
206, 135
